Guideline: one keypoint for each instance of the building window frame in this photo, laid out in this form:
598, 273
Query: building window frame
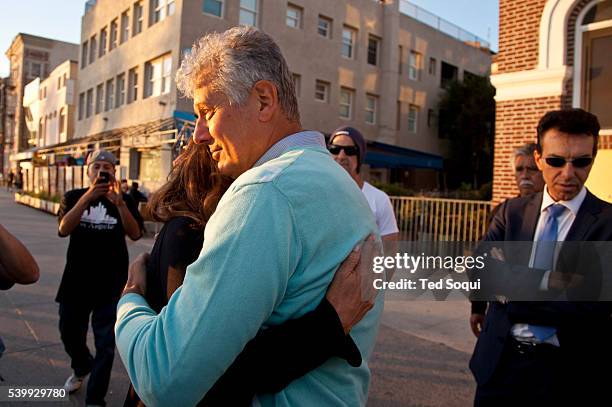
137, 18
294, 16
349, 35
132, 94
103, 42
373, 49
245, 10
114, 28
433, 65
371, 108
217, 3
345, 102
321, 93
325, 29
89, 103
120, 90
413, 118
109, 95
158, 76
124, 31
93, 45
414, 65
99, 98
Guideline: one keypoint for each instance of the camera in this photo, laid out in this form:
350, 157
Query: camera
103, 177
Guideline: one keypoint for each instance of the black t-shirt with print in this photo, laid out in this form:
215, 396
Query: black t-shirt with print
97, 259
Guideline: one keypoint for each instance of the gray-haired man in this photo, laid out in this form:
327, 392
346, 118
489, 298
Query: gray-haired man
268, 256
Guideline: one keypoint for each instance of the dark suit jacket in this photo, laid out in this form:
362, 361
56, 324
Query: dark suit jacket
583, 328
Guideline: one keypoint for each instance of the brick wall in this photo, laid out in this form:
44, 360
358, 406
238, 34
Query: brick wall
519, 26
515, 124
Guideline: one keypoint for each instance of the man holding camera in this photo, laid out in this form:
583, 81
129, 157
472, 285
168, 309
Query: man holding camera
96, 219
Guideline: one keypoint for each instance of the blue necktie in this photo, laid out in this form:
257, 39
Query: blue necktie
544, 259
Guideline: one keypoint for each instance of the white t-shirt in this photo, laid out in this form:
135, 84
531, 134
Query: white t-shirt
381, 207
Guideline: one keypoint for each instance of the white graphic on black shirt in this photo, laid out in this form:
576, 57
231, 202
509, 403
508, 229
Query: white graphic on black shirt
97, 218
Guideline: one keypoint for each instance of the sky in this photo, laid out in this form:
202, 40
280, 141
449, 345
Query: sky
61, 19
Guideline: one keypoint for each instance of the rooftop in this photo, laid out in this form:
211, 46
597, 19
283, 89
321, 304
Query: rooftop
442, 25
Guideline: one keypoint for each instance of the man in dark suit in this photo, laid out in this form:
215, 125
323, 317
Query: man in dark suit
549, 353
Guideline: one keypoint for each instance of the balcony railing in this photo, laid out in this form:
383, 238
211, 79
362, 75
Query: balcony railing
440, 24
436, 219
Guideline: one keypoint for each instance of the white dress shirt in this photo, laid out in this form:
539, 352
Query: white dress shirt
565, 221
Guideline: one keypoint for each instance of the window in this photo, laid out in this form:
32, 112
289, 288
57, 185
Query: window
120, 97
110, 93
99, 97
373, 50
84, 54
432, 66
161, 9
93, 47
62, 122
36, 70
414, 65
432, 118
138, 18
297, 80
413, 114
81, 105
132, 85
370, 111
213, 7
325, 26
294, 16
89, 106
248, 12
448, 74
321, 91
113, 35
157, 76
398, 116
348, 42
125, 27
103, 37
595, 85
346, 103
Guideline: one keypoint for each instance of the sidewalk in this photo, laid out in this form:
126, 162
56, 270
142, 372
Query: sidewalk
34, 354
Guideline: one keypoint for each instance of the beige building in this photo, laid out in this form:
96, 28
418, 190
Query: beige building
30, 57
365, 63
50, 106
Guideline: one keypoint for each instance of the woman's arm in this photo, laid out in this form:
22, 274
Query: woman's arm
296, 347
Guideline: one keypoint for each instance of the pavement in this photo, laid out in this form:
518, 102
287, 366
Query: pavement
420, 359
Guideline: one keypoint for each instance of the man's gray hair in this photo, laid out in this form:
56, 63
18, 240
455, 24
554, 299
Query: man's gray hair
524, 150
232, 62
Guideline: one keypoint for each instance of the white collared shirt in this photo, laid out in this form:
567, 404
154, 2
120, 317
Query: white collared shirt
565, 222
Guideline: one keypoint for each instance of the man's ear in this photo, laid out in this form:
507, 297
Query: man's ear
267, 98
539, 160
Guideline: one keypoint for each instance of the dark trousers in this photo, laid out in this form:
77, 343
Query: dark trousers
544, 376
73, 325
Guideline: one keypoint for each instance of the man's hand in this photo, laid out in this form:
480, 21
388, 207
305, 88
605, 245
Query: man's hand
114, 193
351, 292
96, 190
137, 276
476, 323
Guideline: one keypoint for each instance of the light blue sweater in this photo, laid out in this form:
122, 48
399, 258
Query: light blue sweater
270, 252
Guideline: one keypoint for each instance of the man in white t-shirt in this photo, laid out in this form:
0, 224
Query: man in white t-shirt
348, 148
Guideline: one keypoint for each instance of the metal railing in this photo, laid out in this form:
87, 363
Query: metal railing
438, 219
440, 24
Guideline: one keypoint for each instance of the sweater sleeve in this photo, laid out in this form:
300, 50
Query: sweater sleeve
228, 294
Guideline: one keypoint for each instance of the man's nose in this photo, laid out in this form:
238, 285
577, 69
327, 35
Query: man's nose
201, 135
568, 170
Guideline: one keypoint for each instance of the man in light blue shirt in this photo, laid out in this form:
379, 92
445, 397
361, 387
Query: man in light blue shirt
271, 248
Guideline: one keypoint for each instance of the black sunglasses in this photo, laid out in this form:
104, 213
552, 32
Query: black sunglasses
559, 162
348, 150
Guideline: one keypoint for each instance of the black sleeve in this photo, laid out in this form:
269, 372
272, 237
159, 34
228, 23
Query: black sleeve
479, 307
68, 201
5, 284
133, 208
281, 354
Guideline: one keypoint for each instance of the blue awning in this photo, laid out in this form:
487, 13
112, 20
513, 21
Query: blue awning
381, 155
